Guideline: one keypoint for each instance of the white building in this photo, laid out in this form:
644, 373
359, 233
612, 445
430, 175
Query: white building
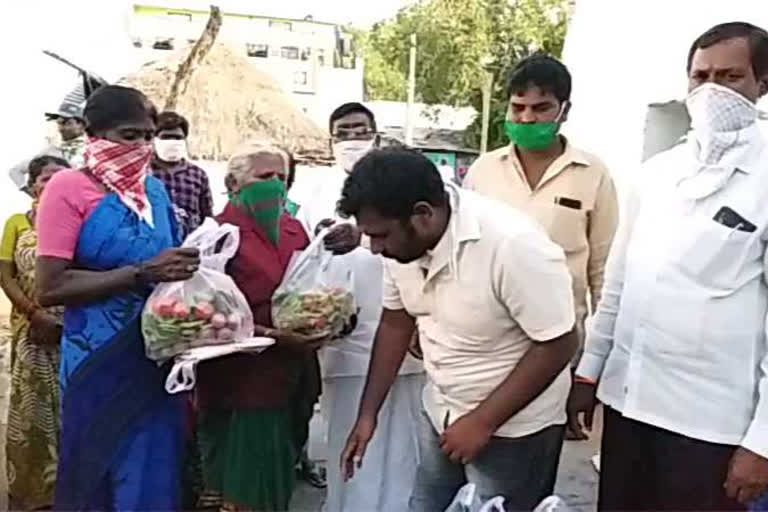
314, 61
627, 56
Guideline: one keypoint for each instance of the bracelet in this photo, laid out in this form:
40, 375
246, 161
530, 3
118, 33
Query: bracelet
138, 275
584, 380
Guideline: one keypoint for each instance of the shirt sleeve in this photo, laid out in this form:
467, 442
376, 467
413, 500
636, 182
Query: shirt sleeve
391, 298
599, 340
533, 281
10, 235
756, 438
206, 197
469, 180
59, 217
602, 227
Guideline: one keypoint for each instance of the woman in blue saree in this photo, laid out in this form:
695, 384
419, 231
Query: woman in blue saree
106, 236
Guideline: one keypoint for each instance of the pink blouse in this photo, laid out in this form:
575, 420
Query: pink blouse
67, 201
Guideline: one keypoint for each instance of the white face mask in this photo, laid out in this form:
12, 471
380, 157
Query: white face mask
170, 150
716, 109
721, 119
348, 152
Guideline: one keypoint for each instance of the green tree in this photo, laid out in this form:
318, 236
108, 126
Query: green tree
458, 41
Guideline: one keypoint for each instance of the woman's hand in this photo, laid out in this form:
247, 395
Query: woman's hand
45, 328
170, 266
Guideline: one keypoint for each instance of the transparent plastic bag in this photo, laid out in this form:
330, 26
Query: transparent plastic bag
315, 297
208, 309
466, 500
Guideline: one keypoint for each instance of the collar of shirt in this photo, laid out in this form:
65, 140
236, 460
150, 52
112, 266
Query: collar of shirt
571, 156
463, 226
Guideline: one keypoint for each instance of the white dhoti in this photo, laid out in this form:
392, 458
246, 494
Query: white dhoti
385, 481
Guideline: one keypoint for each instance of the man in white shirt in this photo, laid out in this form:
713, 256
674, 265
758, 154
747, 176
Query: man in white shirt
385, 484
678, 346
491, 296
71, 127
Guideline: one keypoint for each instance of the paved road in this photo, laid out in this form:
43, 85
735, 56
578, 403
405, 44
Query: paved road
576, 481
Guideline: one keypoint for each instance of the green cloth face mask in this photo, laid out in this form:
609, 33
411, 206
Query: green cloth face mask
531, 136
263, 202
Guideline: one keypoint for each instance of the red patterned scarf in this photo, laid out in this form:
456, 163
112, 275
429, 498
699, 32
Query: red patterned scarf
122, 169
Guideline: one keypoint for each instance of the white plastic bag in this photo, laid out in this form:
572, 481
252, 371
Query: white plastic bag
494, 505
208, 309
183, 376
552, 504
315, 297
466, 500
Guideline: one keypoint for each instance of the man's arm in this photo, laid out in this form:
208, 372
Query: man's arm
599, 341
393, 337
206, 197
601, 229
390, 346
748, 472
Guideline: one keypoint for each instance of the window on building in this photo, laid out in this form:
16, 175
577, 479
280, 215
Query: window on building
300, 78
306, 53
257, 50
137, 43
320, 56
289, 52
282, 25
163, 44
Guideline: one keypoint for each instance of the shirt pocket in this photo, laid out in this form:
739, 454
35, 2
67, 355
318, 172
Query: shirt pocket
567, 227
711, 253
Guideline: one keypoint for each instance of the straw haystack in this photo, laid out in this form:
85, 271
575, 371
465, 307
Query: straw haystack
229, 101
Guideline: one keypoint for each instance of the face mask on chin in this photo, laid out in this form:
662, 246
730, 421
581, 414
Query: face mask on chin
348, 152
170, 150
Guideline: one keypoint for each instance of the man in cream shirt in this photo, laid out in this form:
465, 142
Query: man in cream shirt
677, 351
385, 484
568, 191
491, 295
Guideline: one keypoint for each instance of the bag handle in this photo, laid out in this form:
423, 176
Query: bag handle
315, 250
217, 243
181, 377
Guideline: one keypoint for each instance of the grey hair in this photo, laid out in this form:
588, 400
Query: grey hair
241, 163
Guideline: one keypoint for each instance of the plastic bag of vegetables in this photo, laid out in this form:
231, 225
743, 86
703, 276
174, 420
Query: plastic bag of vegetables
315, 297
208, 309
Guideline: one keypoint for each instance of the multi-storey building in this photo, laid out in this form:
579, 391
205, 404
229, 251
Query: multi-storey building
314, 61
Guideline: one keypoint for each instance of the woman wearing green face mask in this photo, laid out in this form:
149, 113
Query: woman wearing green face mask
247, 407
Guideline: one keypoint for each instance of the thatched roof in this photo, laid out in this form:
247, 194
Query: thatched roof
229, 101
